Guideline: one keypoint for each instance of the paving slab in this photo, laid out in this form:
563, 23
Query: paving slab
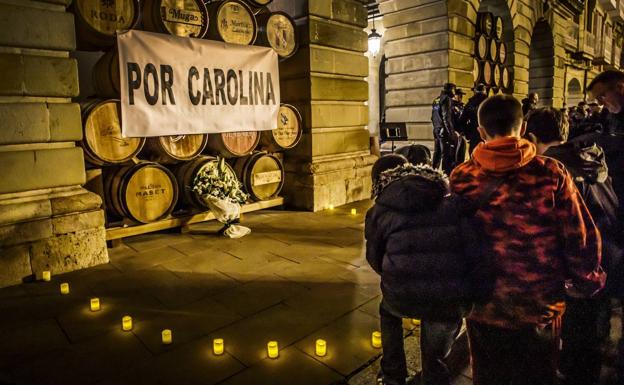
146, 259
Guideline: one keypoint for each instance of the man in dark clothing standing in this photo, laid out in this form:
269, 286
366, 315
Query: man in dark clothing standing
444, 132
539, 236
586, 320
468, 121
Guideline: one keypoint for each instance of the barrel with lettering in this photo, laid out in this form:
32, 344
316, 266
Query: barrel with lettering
287, 132
261, 174
493, 52
506, 78
188, 18
502, 52
497, 29
278, 31
106, 75
185, 174
102, 141
174, 149
486, 72
233, 144
145, 192
232, 21
485, 23
98, 20
482, 46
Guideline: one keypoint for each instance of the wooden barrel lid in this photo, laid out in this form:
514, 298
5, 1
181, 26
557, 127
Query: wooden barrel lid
102, 139
108, 16
262, 175
185, 175
497, 75
183, 147
498, 27
149, 192
281, 34
485, 22
481, 48
476, 70
506, 78
237, 143
260, 3
106, 75
502, 52
235, 23
486, 72
288, 131
187, 18
493, 49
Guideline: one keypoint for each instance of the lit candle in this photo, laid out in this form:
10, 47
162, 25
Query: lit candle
217, 346
64, 288
272, 349
331, 207
353, 211
416, 322
46, 276
95, 304
321, 348
126, 323
376, 339
167, 338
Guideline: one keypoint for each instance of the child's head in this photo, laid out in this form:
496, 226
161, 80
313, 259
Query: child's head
547, 125
500, 115
416, 154
386, 162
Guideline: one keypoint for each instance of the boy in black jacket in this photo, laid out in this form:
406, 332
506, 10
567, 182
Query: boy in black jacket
414, 241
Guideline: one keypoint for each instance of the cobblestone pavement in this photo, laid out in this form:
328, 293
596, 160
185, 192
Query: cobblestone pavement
297, 277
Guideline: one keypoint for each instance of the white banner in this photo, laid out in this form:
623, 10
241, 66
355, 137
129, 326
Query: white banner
173, 85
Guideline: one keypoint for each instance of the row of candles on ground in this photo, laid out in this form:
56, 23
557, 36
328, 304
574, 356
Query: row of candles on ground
353, 211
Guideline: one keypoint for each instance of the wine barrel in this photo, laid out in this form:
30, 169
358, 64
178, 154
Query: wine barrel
481, 47
259, 3
261, 174
187, 18
486, 73
502, 52
232, 21
174, 149
506, 78
98, 20
102, 141
493, 52
485, 23
496, 75
278, 31
233, 144
185, 174
144, 192
106, 75
498, 28
287, 133
476, 71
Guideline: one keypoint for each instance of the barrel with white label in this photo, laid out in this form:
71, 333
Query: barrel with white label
233, 144
287, 132
188, 18
232, 21
261, 174
145, 192
278, 31
174, 149
97, 21
185, 174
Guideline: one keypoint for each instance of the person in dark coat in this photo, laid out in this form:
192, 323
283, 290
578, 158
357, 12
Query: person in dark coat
414, 241
468, 121
586, 320
444, 132
416, 154
529, 103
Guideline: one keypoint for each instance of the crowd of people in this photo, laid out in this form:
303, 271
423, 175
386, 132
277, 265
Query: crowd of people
514, 225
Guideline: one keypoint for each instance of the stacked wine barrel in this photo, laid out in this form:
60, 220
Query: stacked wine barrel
147, 179
490, 56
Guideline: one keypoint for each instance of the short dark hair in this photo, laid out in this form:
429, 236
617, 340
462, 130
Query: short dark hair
385, 163
500, 114
547, 125
608, 77
416, 154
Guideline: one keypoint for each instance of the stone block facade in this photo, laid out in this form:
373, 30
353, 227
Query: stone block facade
47, 220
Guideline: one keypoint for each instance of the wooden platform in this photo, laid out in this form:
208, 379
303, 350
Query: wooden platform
128, 231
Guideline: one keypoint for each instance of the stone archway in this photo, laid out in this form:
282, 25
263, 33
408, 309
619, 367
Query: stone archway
574, 92
542, 62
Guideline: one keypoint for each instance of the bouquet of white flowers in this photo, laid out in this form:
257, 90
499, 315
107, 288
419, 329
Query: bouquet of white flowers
223, 194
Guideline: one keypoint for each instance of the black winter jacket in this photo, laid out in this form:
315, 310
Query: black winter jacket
415, 242
442, 117
468, 122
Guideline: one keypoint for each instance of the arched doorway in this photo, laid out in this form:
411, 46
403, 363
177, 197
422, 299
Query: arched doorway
542, 63
500, 8
574, 92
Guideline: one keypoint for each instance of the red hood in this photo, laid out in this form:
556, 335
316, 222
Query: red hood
504, 154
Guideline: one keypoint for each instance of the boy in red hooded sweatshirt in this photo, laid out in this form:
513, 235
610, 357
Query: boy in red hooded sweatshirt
539, 237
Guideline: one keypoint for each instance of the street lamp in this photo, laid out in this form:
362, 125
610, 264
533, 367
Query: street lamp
374, 40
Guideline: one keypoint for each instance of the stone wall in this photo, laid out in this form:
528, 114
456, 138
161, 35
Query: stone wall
326, 81
47, 220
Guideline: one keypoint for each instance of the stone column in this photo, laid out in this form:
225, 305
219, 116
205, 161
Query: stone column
325, 80
47, 220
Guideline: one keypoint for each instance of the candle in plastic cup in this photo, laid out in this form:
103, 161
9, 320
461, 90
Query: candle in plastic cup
167, 337
376, 339
272, 349
331, 207
64, 288
218, 346
353, 211
321, 348
46, 276
126, 323
95, 304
